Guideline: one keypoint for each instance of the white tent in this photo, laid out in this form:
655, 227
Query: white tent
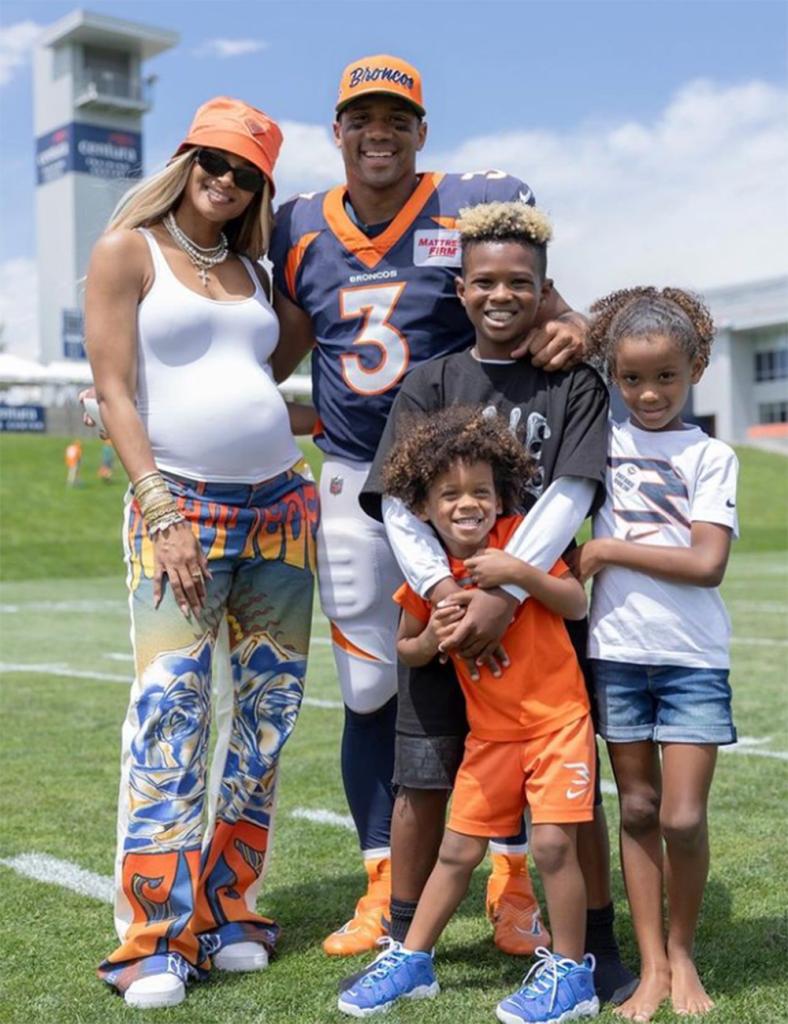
16, 370
69, 371
64, 372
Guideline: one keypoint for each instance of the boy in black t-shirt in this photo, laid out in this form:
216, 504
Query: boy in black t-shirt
563, 418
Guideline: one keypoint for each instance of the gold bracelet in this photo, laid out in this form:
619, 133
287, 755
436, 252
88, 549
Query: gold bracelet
171, 519
147, 476
161, 508
152, 509
154, 498
150, 486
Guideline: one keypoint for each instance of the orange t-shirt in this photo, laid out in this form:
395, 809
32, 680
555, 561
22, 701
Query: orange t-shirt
543, 689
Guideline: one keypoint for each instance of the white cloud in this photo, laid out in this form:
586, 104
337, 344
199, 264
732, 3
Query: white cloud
19, 306
309, 160
695, 197
229, 47
15, 43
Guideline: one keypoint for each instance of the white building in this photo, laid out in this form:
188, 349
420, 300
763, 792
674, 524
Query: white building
744, 391
90, 95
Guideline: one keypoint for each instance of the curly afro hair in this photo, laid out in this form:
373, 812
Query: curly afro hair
637, 312
427, 446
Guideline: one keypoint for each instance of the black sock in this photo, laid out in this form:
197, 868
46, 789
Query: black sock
402, 912
613, 981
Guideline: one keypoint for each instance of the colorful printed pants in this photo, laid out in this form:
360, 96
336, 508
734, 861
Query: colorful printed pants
184, 889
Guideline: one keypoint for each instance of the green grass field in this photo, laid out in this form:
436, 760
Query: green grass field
64, 681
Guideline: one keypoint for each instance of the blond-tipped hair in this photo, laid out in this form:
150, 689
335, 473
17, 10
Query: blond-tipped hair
489, 222
149, 201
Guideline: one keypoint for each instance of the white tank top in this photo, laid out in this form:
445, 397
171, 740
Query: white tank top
205, 389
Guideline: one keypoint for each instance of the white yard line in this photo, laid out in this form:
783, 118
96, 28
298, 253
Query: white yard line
322, 817
758, 641
79, 607
739, 748
770, 607
53, 871
62, 670
105, 677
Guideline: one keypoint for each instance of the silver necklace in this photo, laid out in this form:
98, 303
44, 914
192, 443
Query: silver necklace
202, 258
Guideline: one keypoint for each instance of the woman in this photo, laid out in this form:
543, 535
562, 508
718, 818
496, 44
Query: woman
220, 520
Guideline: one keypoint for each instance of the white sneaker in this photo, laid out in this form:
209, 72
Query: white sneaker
155, 990
241, 956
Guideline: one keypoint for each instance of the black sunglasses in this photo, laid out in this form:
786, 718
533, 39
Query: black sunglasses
247, 178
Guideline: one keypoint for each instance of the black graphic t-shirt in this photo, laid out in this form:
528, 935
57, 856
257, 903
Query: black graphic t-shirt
561, 417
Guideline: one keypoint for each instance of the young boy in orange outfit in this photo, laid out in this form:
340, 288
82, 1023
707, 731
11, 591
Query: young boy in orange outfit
531, 741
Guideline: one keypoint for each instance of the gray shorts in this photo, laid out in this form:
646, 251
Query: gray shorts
427, 762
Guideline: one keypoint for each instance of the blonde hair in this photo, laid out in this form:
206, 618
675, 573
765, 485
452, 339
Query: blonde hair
149, 201
489, 222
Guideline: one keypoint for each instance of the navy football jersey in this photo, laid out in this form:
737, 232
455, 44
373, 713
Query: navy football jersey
379, 305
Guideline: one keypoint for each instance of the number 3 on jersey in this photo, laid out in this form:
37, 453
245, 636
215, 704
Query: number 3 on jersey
376, 304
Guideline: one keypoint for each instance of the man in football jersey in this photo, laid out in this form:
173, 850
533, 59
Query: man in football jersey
364, 277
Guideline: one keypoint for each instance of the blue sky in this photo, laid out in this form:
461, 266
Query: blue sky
586, 100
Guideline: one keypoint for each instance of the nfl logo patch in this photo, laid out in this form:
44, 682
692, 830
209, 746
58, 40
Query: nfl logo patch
336, 485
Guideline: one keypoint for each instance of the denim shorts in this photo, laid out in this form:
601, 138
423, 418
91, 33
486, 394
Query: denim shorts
662, 703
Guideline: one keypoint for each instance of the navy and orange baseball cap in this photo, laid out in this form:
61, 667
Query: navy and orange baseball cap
238, 128
384, 74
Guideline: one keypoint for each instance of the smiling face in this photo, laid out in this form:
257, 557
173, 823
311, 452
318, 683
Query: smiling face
654, 375
501, 288
462, 506
379, 137
218, 198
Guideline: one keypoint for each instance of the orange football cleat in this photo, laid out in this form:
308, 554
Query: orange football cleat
370, 920
513, 908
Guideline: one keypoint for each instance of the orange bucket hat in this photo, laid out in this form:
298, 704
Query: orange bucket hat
381, 74
232, 125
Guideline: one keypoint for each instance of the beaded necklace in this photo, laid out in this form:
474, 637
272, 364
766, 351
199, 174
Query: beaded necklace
202, 258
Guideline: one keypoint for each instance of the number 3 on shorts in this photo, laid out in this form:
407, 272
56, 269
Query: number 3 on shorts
376, 304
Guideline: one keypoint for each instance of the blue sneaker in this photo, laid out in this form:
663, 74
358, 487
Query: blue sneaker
393, 975
386, 945
555, 990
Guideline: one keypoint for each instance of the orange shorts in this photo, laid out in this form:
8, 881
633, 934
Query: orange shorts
553, 775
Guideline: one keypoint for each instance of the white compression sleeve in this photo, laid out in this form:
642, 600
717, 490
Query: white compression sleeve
549, 527
415, 545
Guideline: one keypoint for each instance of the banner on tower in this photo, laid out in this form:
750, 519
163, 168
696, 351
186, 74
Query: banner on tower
88, 149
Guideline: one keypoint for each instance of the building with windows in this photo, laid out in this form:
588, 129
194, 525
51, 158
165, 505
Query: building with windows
90, 94
743, 395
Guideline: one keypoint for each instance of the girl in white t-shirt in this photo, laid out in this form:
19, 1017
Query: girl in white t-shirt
659, 632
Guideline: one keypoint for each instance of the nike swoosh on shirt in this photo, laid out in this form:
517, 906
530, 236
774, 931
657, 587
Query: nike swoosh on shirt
573, 794
729, 503
639, 536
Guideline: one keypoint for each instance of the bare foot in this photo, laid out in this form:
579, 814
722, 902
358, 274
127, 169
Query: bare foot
686, 990
652, 991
